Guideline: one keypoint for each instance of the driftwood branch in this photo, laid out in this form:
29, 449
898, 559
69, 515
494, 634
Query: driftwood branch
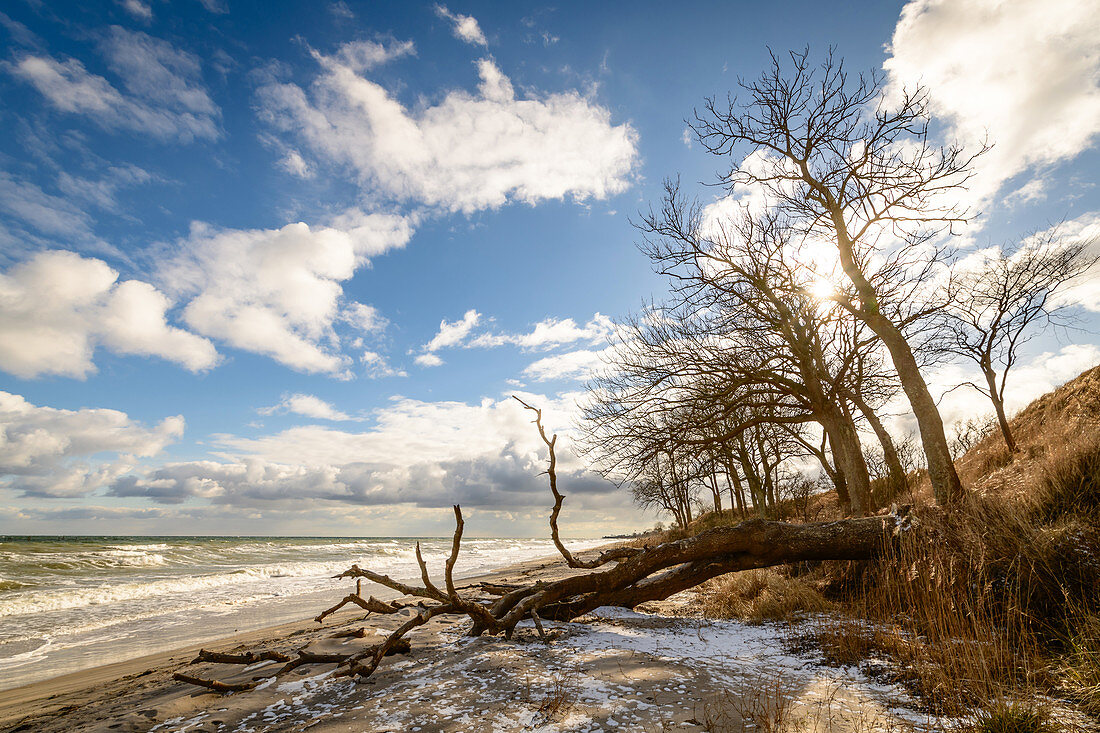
638, 575
372, 605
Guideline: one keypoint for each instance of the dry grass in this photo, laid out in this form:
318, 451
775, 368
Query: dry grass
762, 706
973, 606
1013, 717
552, 702
983, 609
757, 596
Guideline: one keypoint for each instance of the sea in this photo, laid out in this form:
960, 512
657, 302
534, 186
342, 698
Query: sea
71, 603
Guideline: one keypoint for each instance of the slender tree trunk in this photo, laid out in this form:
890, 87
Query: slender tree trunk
999, 407
889, 451
716, 493
941, 469
737, 490
848, 454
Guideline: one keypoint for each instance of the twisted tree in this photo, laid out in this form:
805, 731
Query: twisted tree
853, 167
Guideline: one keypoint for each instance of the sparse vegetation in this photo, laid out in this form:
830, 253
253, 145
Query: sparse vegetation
762, 706
982, 612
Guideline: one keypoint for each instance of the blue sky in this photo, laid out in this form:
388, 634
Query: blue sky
276, 267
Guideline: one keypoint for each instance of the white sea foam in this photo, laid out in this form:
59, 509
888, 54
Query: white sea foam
111, 599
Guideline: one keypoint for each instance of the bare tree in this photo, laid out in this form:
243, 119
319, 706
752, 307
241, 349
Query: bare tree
735, 280
851, 167
997, 306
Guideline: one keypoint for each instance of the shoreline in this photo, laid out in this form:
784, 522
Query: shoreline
659, 668
19, 703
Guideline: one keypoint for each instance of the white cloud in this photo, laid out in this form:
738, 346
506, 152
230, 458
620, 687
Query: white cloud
138, 9
376, 366
307, 405
466, 153
217, 7
1025, 72
103, 192
49, 215
549, 333
1026, 382
365, 318
1086, 291
578, 365
295, 164
166, 96
362, 56
429, 454
50, 452
428, 360
57, 307
452, 333
278, 291
464, 27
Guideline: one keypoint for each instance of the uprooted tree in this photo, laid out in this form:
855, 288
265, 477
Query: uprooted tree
620, 576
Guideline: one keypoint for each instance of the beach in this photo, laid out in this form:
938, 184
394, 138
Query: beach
658, 668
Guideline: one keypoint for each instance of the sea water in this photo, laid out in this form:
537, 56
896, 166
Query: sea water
70, 603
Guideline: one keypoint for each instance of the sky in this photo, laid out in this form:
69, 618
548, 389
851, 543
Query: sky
277, 268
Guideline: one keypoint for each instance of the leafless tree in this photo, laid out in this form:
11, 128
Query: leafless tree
742, 298
997, 306
849, 166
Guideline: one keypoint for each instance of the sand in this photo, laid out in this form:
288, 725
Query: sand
654, 669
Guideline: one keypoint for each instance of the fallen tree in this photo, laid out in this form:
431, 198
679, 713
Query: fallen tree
621, 576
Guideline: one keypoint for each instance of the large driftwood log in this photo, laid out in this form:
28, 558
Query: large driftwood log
637, 575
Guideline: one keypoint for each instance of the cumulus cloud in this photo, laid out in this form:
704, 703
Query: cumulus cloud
428, 454
464, 27
1027, 73
428, 360
164, 93
278, 292
57, 307
471, 151
53, 453
307, 405
577, 365
452, 333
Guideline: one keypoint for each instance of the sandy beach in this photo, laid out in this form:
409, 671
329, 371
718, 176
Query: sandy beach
658, 668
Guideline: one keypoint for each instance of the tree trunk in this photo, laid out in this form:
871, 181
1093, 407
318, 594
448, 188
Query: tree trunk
999, 408
716, 493
941, 469
889, 451
848, 454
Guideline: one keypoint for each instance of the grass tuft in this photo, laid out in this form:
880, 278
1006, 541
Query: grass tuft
757, 596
